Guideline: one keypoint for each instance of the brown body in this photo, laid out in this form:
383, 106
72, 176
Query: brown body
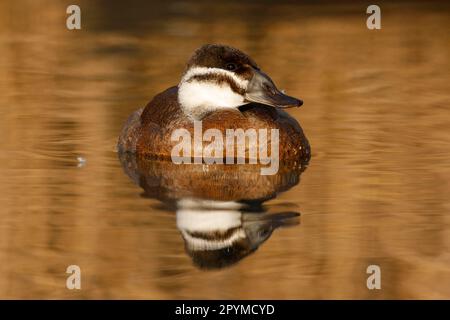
148, 131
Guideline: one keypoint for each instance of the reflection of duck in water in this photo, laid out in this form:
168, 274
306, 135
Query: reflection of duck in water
219, 208
218, 233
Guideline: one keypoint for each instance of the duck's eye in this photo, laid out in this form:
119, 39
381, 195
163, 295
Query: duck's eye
231, 66
264, 232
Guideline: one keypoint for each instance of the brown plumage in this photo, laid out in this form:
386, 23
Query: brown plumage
148, 131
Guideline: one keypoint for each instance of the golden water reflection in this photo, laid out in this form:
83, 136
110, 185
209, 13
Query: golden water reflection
376, 114
220, 210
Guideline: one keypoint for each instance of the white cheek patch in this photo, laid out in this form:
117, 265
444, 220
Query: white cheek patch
207, 221
199, 97
211, 95
201, 220
210, 245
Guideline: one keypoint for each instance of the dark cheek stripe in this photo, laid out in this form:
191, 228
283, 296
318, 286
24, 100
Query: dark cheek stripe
219, 79
217, 235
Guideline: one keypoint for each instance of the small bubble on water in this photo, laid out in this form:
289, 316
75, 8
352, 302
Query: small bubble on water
81, 161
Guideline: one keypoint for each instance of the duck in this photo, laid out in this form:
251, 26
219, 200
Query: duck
224, 89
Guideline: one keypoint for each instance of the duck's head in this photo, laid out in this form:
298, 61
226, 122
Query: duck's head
219, 77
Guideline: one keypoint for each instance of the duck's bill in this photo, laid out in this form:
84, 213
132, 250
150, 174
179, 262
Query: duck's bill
279, 219
261, 89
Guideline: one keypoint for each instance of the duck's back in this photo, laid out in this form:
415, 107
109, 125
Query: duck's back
145, 125
148, 131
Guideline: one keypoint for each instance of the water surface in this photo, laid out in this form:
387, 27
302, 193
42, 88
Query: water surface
376, 190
